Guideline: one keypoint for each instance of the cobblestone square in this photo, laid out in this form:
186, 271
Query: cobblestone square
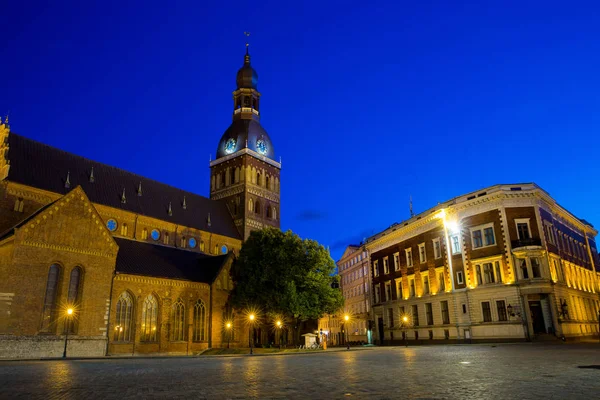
509, 371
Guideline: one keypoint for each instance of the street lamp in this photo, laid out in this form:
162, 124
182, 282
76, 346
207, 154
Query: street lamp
404, 324
347, 318
69, 314
228, 326
251, 319
278, 323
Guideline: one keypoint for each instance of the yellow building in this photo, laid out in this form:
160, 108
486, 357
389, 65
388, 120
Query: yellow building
144, 265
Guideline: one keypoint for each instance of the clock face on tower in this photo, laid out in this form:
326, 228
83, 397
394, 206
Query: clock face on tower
230, 146
261, 146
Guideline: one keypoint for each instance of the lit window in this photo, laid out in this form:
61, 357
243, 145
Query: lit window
124, 230
425, 285
411, 284
178, 321
183, 242
396, 261
409, 261
166, 238
144, 234
124, 316
487, 311
429, 313
455, 243
148, 332
386, 266
442, 282
445, 313
375, 268
422, 254
459, 278
478, 273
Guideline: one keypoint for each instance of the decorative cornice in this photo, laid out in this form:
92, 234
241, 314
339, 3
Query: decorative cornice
161, 281
68, 248
228, 191
31, 193
248, 152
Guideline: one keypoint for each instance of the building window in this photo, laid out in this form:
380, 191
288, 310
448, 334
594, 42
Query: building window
498, 271
377, 294
124, 230
375, 268
183, 242
459, 278
429, 313
455, 243
251, 205
257, 207
391, 317
386, 266
487, 312
396, 261
523, 228
148, 332
445, 313
144, 234
166, 238
442, 282
437, 248
399, 294
73, 299
274, 213
411, 284
123, 319
501, 307
409, 261
535, 267
178, 321
18, 205
422, 254
483, 236
478, 274
425, 285
415, 315
50, 298
522, 263
488, 273
202, 245
388, 291
199, 322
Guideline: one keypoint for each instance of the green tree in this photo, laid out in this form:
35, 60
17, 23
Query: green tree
282, 274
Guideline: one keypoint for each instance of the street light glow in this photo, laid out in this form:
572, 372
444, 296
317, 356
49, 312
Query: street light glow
69, 311
346, 317
228, 325
278, 323
251, 317
405, 318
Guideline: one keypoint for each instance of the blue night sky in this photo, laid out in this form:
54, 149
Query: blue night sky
366, 103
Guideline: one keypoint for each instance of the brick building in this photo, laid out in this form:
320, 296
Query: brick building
503, 263
144, 265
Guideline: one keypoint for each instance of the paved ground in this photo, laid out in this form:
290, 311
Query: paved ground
523, 371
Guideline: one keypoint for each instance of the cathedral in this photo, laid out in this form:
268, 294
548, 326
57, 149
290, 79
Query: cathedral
110, 262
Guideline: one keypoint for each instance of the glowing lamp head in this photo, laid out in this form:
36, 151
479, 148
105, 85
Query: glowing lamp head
452, 226
346, 317
278, 323
405, 318
251, 317
228, 325
69, 311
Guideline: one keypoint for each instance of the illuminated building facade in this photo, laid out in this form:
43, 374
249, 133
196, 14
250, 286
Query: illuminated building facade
144, 265
504, 263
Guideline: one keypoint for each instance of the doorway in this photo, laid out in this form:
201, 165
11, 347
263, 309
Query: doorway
537, 317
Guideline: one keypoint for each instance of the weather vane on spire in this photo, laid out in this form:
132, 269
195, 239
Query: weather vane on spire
247, 34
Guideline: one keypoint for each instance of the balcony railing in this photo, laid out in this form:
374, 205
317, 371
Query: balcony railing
526, 242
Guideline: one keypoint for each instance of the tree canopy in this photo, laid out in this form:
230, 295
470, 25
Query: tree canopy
282, 274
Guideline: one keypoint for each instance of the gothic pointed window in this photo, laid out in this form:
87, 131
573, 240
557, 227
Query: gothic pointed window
201, 245
258, 181
48, 313
124, 316
257, 207
199, 321
73, 298
268, 182
166, 238
144, 234
149, 328
250, 205
124, 230
178, 321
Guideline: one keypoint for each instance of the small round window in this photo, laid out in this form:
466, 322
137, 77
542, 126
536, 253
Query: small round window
111, 224
224, 249
155, 234
192, 243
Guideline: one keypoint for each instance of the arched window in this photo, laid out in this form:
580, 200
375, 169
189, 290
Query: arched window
166, 238
144, 234
124, 316
149, 326
201, 245
19, 205
258, 181
73, 298
250, 205
222, 179
212, 182
183, 242
178, 321
257, 207
199, 321
268, 182
50, 298
274, 213
237, 175
231, 176
268, 212
216, 249
124, 230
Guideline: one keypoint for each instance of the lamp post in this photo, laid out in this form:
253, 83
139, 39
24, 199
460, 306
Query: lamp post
228, 326
278, 323
347, 318
69, 314
251, 318
404, 325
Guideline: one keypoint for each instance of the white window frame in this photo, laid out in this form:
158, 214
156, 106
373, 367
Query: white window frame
437, 255
377, 294
409, 259
422, 259
454, 249
386, 265
550, 230
482, 228
399, 289
396, 261
376, 268
460, 278
388, 289
521, 221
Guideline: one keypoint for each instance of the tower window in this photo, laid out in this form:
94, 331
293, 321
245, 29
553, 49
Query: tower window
268, 182
246, 101
250, 205
144, 234
257, 207
274, 213
223, 179
258, 181
19, 205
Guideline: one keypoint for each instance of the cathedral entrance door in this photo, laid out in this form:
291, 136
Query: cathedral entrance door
537, 317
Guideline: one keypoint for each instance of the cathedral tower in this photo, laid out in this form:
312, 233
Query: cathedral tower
245, 173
